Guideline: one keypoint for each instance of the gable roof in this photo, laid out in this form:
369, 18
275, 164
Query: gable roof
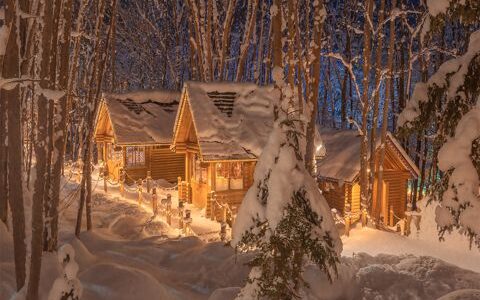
142, 117
341, 159
232, 121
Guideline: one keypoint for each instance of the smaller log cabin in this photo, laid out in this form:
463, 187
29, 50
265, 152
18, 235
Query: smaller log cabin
338, 171
221, 128
134, 131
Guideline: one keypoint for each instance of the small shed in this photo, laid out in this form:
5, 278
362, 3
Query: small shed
134, 131
221, 128
338, 171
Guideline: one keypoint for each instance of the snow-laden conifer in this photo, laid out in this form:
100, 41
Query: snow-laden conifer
284, 218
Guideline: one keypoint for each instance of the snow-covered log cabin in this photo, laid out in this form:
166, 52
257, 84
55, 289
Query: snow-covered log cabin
338, 171
221, 128
134, 131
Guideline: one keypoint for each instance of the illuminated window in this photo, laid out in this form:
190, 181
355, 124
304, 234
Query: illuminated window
135, 156
229, 176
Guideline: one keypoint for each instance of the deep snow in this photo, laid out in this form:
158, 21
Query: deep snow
126, 258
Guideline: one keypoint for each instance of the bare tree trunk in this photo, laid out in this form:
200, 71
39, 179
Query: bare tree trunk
246, 40
44, 146
3, 163
376, 101
38, 200
96, 81
291, 44
301, 67
60, 126
227, 26
11, 97
198, 38
364, 197
313, 95
346, 76
389, 89
209, 62
260, 49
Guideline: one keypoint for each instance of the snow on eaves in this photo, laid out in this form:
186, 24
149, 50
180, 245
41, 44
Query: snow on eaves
341, 158
143, 117
232, 120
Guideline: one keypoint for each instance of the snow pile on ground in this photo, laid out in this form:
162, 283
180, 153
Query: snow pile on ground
120, 260
424, 242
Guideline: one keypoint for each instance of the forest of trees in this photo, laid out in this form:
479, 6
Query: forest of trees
350, 64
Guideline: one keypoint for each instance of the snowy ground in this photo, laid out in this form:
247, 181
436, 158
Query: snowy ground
129, 255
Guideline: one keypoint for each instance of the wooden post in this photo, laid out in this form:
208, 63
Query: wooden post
169, 213
154, 201
188, 197
403, 226
122, 182
149, 181
224, 212
391, 216
223, 231
186, 223
105, 174
212, 196
348, 221
140, 191
180, 214
408, 219
179, 187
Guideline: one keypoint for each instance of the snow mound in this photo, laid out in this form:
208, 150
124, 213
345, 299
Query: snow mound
466, 294
410, 277
112, 281
225, 293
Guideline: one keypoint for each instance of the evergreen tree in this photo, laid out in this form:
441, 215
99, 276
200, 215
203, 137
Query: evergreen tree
449, 102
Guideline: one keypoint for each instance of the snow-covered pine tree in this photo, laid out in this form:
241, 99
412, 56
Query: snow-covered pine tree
451, 99
284, 215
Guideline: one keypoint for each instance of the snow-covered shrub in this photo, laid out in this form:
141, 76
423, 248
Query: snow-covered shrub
67, 287
285, 218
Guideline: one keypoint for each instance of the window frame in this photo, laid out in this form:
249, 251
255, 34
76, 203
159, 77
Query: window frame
137, 163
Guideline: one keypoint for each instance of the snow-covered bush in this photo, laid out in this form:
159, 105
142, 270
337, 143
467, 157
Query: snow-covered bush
67, 287
284, 217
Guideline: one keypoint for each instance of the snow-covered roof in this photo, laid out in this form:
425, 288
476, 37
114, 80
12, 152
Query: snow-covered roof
142, 117
232, 120
342, 154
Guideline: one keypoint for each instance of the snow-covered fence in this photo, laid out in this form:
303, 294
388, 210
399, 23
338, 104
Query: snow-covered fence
184, 192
